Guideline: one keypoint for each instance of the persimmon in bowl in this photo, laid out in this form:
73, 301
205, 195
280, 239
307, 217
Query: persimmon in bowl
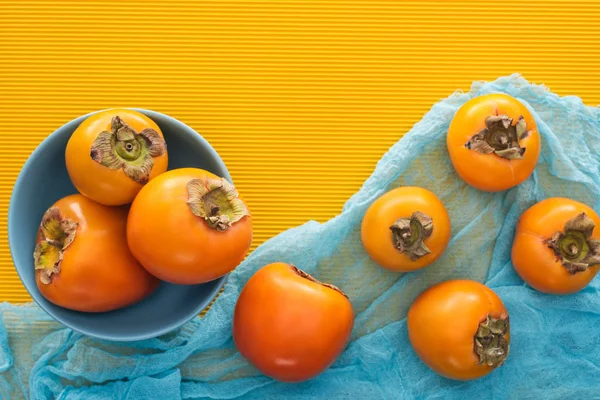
44, 180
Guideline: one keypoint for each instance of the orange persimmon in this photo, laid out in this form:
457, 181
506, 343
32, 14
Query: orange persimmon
406, 229
289, 325
460, 329
113, 153
189, 226
82, 260
556, 247
493, 142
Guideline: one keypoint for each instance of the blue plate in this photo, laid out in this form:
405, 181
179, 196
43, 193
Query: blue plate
44, 180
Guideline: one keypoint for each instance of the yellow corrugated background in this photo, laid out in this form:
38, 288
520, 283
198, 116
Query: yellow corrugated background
301, 98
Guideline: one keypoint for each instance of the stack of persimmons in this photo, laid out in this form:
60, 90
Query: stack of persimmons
288, 324
186, 226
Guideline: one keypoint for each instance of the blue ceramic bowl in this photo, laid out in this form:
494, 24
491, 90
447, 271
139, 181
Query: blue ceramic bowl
44, 180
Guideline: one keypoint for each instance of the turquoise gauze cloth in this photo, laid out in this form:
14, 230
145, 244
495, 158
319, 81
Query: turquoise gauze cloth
555, 340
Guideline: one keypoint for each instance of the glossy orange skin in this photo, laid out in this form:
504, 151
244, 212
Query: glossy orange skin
175, 245
489, 172
534, 261
442, 322
289, 327
102, 184
398, 203
98, 272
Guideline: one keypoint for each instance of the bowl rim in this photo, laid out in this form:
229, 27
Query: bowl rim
35, 295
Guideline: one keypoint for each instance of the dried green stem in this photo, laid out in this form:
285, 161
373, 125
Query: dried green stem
409, 234
311, 278
574, 246
55, 234
217, 201
491, 344
124, 148
500, 137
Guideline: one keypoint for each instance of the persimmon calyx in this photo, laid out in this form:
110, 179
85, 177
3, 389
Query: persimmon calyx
575, 247
217, 201
500, 137
124, 148
490, 341
311, 278
409, 234
55, 234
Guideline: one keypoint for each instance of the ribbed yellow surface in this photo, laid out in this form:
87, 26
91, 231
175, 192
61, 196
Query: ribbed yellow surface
301, 98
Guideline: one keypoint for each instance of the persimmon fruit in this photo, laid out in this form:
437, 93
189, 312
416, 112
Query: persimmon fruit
188, 226
406, 229
113, 153
460, 329
82, 261
493, 142
289, 325
557, 246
